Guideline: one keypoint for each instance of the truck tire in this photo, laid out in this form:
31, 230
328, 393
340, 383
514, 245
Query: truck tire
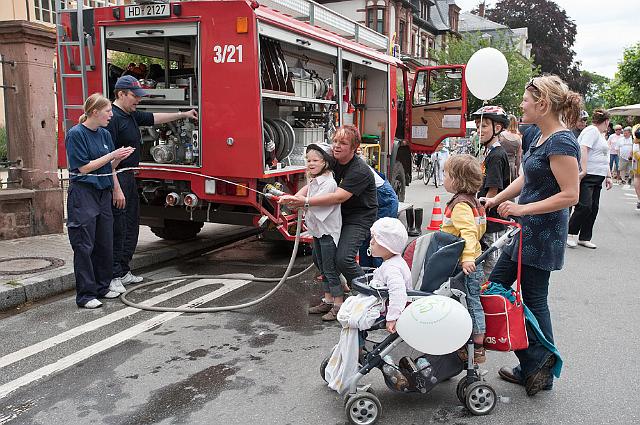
398, 180
178, 230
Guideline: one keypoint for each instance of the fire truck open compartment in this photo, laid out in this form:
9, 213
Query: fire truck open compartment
321, 95
172, 81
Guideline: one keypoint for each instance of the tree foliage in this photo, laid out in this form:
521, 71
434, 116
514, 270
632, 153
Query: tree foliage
122, 59
594, 97
629, 69
521, 69
551, 33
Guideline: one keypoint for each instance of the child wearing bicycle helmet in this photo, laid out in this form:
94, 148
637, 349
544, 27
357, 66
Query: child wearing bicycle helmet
324, 224
496, 174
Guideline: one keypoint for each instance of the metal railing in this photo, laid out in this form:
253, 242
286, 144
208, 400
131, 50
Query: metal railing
323, 17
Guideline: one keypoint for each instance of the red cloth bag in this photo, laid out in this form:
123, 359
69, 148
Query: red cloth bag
505, 321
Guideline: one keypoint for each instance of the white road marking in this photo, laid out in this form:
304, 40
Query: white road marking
114, 340
98, 323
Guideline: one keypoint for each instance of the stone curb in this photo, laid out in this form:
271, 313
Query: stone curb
62, 279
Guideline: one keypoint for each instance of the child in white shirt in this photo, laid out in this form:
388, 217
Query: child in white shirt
388, 239
324, 224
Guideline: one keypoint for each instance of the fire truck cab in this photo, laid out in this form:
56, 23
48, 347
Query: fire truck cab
267, 79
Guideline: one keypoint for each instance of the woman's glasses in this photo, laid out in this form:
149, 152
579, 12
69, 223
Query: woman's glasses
532, 84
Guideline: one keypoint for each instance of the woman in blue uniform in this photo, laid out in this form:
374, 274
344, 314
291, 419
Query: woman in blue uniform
91, 159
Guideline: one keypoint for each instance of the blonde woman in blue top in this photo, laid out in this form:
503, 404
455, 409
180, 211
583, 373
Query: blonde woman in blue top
547, 188
91, 159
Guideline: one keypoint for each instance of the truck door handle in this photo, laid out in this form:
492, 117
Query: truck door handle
149, 32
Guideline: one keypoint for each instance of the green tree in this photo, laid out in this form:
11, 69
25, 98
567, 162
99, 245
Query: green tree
629, 69
521, 69
619, 93
122, 59
552, 34
596, 89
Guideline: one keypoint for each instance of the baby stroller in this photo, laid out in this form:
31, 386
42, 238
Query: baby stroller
433, 258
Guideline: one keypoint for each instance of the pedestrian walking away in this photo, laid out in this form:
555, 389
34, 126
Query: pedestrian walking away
496, 173
125, 131
545, 190
594, 161
91, 159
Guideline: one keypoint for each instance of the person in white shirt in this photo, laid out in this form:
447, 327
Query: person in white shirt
324, 224
614, 149
594, 162
625, 151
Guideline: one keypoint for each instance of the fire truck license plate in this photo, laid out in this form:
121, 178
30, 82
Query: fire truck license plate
146, 11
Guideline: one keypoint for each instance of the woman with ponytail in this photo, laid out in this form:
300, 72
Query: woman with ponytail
546, 190
91, 159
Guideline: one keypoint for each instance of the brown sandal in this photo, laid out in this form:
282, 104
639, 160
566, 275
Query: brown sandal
321, 308
331, 314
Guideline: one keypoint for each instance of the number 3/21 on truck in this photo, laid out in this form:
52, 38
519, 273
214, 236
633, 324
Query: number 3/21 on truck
227, 53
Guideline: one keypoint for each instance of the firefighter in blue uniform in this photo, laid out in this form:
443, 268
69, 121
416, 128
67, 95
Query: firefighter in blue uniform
125, 131
91, 159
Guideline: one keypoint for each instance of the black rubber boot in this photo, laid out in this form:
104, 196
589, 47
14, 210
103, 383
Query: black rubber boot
417, 230
410, 221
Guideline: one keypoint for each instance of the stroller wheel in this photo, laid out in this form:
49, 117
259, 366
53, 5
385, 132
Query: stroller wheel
323, 366
363, 408
463, 383
480, 398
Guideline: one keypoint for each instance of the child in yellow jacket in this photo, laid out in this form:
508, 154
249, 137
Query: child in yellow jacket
465, 217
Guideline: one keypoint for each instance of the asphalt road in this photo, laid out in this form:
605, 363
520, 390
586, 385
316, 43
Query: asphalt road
118, 365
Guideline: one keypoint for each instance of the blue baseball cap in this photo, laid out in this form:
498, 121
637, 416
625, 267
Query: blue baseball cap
130, 82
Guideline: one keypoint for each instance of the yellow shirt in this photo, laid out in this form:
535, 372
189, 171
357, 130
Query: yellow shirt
467, 223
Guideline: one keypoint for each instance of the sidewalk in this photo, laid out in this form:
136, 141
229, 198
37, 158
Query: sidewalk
42, 266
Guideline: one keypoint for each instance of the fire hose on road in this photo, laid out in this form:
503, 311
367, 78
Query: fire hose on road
234, 276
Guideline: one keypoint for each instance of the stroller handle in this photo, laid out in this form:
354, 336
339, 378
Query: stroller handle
512, 231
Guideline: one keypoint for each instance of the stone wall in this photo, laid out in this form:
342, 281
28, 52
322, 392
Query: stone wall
16, 213
28, 49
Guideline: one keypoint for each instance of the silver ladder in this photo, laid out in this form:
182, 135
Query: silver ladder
66, 44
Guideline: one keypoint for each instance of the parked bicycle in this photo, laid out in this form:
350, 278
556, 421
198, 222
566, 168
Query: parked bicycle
429, 168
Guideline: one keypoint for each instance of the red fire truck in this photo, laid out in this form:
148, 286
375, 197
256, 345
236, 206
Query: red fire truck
267, 79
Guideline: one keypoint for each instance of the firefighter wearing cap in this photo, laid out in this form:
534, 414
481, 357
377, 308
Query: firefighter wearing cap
124, 129
496, 174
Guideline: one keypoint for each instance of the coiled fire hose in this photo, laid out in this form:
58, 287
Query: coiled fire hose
233, 276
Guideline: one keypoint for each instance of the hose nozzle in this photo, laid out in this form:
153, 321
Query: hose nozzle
272, 190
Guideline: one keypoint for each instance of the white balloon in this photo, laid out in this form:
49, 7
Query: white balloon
435, 325
486, 73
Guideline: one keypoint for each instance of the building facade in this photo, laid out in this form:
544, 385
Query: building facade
39, 11
475, 24
415, 27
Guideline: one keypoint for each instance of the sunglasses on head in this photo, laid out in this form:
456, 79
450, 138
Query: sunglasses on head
532, 84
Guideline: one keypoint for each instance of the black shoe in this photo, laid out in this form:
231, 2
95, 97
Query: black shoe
539, 380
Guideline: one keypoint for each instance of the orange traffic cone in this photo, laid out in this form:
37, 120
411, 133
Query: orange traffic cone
436, 215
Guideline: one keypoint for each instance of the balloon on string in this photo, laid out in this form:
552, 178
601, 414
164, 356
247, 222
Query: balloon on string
435, 325
486, 73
